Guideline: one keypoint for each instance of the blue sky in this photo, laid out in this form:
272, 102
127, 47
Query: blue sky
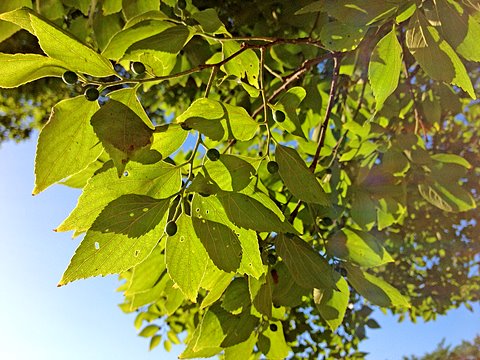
82, 321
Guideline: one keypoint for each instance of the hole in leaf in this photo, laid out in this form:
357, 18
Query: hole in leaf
207, 211
97, 245
197, 209
145, 209
125, 173
132, 214
182, 238
136, 253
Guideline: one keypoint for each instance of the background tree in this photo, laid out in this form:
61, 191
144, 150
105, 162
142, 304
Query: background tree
260, 177
465, 351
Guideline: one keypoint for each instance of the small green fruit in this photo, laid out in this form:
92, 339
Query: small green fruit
184, 126
279, 116
171, 228
272, 167
327, 221
213, 154
92, 94
182, 4
271, 259
137, 67
273, 327
69, 77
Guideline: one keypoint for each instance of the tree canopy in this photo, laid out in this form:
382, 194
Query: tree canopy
261, 175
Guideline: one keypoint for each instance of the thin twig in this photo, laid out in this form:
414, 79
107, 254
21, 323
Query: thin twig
293, 77
210, 81
324, 124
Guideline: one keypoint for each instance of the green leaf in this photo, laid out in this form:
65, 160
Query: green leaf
154, 342
237, 296
131, 215
58, 44
221, 243
186, 258
460, 29
307, 267
149, 331
272, 343
286, 292
159, 52
297, 177
384, 68
452, 159
211, 209
219, 121
19, 69
289, 104
261, 294
131, 34
121, 131
134, 8
246, 212
146, 274
337, 36
158, 181
241, 351
216, 282
109, 246
332, 304
426, 50
447, 196
128, 97
435, 55
244, 65
67, 143
8, 29
230, 172
210, 23
359, 247
168, 138
111, 6
374, 289
220, 329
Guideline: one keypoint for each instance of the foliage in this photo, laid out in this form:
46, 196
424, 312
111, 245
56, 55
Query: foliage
264, 175
465, 351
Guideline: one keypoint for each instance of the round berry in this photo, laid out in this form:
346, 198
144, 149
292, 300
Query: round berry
184, 126
273, 327
171, 228
69, 77
272, 167
279, 116
92, 94
213, 154
327, 221
137, 67
271, 259
182, 4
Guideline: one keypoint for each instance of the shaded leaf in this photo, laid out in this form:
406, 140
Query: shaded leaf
158, 181
103, 252
221, 243
374, 289
359, 247
307, 267
298, 178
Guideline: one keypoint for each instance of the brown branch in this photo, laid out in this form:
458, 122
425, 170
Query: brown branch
307, 64
324, 124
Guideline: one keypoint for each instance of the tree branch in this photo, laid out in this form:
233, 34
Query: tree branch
324, 124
